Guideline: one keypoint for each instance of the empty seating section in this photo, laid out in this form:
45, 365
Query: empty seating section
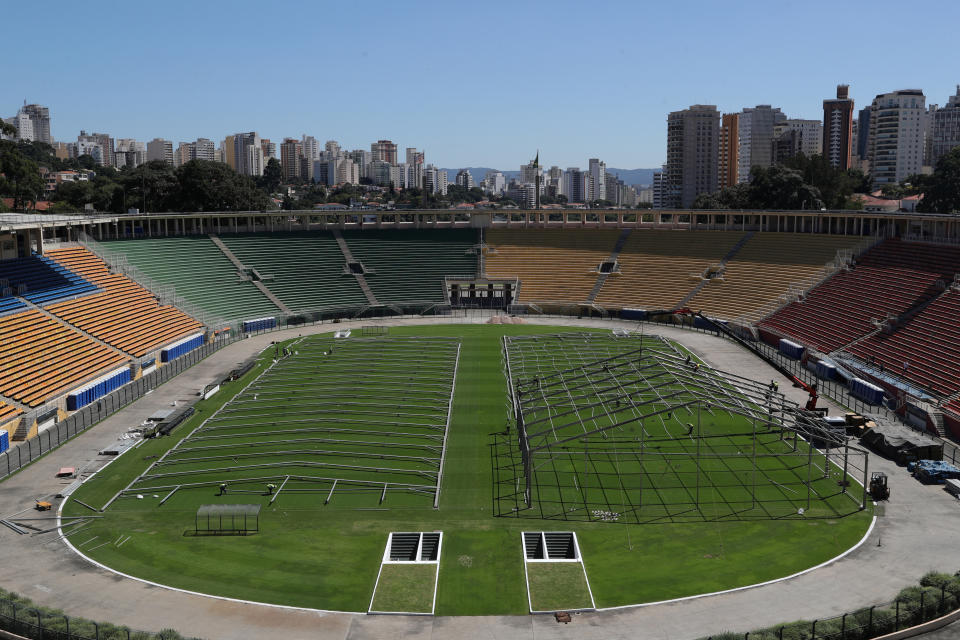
41, 357
124, 315
8, 411
659, 268
890, 278
763, 270
929, 344
553, 265
10, 303
199, 271
304, 270
409, 266
40, 280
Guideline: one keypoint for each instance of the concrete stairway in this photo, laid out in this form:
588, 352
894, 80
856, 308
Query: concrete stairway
602, 277
258, 284
348, 256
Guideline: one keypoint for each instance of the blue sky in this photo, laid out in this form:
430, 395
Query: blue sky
478, 84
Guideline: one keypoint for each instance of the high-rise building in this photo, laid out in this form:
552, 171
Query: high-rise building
89, 146
248, 154
61, 150
415, 160
269, 149
160, 149
575, 184
384, 150
897, 124
532, 173
464, 179
436, 180
657, 188
182, 155
229, 152
291, 150
597, 185
756, 138
494, 182
863, 134
792, 137
33, 123
944, 130
837, 143
311, 148
729, 162
106, 147
693, 147
203, 149
129, 153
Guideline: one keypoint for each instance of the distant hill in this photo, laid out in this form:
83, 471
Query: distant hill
629, 176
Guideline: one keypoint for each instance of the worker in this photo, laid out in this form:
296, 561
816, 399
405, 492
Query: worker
271, 488
689, 428
776, 386
223, 488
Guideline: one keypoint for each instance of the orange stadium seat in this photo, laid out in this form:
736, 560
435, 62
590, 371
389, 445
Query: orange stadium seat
124, 315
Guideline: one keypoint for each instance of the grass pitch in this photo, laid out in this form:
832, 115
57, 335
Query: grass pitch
557, 586
406, 588
327, 556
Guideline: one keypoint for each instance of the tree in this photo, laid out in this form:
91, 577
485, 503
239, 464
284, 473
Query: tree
21, 177
7, 129
272, 176
214, 186
151, 187
941, 191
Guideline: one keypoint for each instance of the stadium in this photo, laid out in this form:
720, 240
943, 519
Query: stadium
234, 424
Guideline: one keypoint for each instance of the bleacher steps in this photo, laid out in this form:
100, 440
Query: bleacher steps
348, 256
226, 251
730, 254
602, 277
240, 267
937, 416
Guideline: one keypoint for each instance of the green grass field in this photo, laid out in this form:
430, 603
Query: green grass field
312, 552
556, 586
405, 588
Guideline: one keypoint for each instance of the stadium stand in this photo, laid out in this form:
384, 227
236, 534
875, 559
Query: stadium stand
889, 279
924, 350
659, 268
553, 265
199, 271
10, 303
763, 270
42, 357
41, 280
409, 266
124, 315
304, 270
8, 411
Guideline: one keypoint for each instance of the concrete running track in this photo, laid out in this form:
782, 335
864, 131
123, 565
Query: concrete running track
916, 534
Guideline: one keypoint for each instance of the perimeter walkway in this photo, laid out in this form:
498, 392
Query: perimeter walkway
916, 534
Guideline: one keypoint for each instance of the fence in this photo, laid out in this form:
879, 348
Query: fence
29, 450
914, 606
22, 619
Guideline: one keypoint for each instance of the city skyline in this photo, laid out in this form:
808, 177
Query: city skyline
466, 94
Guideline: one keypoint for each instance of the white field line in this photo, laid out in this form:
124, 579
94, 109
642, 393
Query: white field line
446, 429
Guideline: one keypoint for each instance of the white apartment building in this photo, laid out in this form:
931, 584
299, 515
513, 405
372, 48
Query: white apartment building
897, 124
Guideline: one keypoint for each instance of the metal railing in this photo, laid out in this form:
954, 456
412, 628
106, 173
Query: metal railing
167, 293
21, 618
27, 451
912, 607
